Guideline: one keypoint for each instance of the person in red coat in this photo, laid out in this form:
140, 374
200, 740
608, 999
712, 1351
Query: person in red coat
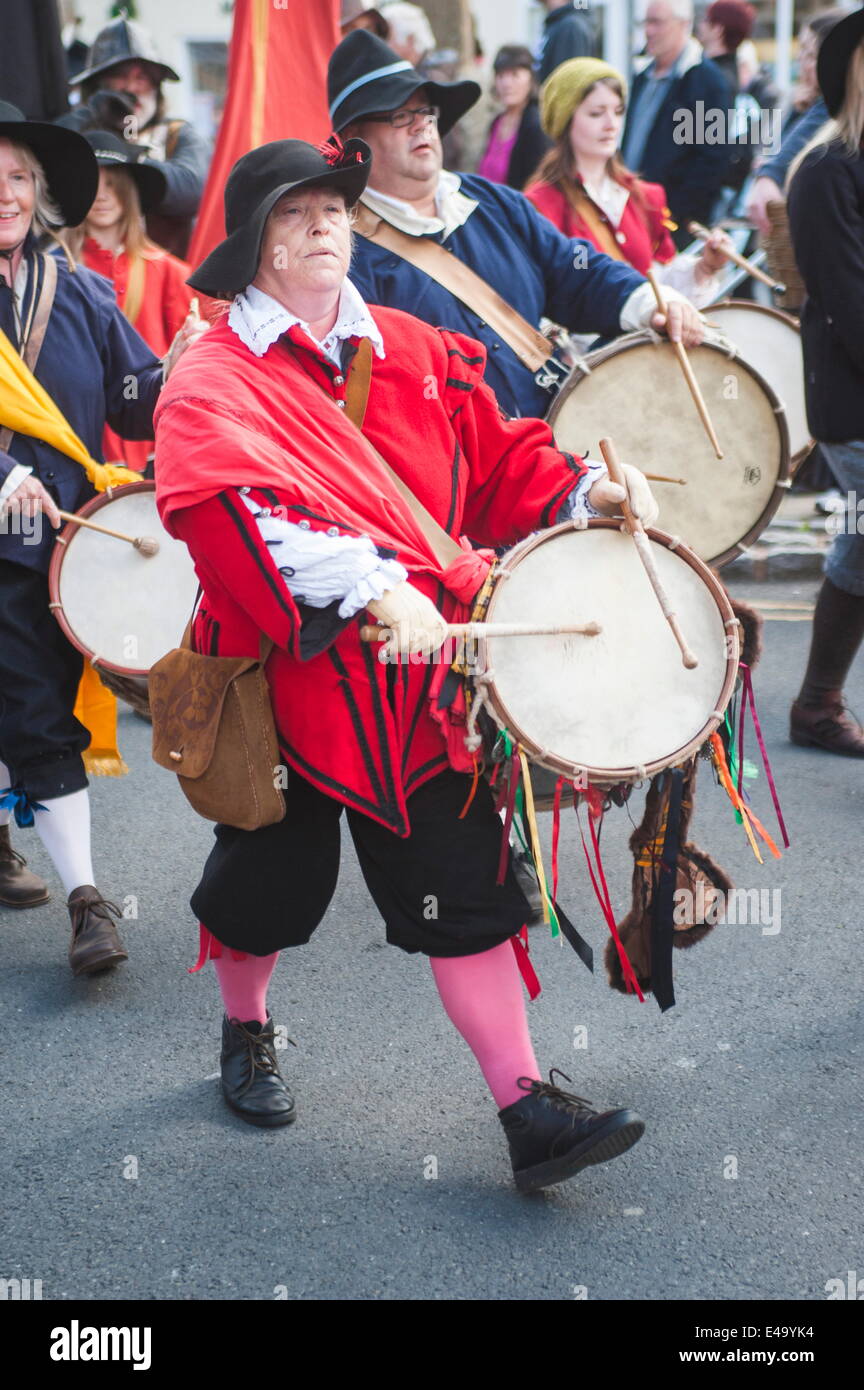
584, 187
150, 283
297, 530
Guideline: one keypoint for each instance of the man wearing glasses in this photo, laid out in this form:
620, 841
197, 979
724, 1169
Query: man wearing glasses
413, 204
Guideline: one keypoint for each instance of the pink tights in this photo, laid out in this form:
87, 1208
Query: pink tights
482, 995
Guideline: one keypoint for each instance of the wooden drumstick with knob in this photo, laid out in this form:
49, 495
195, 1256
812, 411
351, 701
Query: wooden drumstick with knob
704, 234
643, 546
686, 368
147, 545
374, 632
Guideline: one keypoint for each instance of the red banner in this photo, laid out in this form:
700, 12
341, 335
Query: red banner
277, 90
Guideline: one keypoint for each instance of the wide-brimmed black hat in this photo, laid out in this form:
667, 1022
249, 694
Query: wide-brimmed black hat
255, 184
70, 166
119, 41
835, 53
112, 151
365, 75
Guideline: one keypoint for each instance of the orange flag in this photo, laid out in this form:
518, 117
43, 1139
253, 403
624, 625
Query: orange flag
277, 90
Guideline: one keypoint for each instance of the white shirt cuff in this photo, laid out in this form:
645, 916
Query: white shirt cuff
641, 306
14, 478
680, 274
576, 505
318, 567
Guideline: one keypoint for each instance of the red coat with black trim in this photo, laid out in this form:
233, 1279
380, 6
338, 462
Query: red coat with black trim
359, 730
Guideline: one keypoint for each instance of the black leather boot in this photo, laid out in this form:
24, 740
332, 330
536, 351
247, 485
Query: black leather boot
553, 1134
18, 887
251, 1083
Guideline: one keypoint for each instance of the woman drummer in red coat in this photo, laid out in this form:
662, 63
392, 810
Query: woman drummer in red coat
297, 529
584, 187
150, 283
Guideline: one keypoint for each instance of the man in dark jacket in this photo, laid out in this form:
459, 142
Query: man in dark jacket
121, 90
566, 34
490, 228
676, 129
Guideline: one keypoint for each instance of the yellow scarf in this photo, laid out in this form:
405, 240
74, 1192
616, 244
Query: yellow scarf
26, 408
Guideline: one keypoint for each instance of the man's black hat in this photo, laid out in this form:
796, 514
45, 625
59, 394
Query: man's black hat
835, 54
119, 41
112, 152
68, 161
255, 185
365, 76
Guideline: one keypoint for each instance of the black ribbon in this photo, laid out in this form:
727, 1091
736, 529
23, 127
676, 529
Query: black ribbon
662, 897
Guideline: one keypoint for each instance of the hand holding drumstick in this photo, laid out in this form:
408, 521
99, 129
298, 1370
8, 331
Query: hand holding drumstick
637, 531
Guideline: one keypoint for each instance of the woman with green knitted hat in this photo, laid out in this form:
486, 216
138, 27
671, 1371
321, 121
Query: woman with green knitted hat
584, 187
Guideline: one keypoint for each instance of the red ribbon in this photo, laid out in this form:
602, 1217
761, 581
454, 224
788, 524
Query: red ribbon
209, 948
748, 691
605, 900
526, 969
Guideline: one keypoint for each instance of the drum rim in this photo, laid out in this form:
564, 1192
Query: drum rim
642, 338
58, 555
611, 776
800, 455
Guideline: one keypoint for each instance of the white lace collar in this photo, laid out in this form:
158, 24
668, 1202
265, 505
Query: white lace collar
259, 320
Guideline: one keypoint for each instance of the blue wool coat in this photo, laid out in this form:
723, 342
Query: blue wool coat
95, 367
532, 266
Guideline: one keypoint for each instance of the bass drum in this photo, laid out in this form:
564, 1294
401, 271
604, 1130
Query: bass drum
771, 341
633, 390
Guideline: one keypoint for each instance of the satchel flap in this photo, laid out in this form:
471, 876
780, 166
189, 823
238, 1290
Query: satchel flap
187, 695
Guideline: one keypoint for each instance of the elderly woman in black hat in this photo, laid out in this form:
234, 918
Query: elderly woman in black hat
825, 192
65, 323
282, 448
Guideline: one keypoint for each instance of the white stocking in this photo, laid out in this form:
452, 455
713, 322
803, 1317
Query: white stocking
64, 828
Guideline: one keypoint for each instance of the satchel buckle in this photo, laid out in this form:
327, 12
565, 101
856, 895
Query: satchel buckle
551, 376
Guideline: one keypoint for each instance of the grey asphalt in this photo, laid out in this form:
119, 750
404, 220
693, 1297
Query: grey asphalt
760, 1062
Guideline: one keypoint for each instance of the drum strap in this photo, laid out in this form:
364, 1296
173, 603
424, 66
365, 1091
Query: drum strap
528, 343
39, 325
134, 297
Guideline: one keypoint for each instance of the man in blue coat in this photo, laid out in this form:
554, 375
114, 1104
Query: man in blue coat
490, 228
678, 120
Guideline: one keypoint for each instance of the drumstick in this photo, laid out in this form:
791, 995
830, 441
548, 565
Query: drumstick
643, 546
148, 545
703, 233
686, 368
659, 478
373, 632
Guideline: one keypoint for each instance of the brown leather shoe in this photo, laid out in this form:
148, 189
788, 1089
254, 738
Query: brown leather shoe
827, 726
95, 944
18, 887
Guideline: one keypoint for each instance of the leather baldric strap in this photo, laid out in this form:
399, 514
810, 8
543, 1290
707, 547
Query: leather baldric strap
528, 343
601, 233
356, 395
134, 297
38, 326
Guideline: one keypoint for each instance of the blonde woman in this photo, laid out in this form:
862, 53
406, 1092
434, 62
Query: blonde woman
150, 283
825, 193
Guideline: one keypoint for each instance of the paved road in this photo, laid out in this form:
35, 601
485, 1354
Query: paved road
760, 1062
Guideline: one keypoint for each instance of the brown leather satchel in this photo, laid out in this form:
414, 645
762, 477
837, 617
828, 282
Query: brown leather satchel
213, 725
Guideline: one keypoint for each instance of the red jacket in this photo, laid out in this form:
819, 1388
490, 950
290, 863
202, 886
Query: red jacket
359, 730
642, 236
164, 307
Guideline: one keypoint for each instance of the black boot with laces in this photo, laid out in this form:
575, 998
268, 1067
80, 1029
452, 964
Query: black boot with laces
553, 1134
251, 1083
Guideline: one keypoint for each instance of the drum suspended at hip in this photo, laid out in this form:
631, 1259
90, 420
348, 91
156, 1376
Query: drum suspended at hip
770, 340
122, 608
619, 706
634, 390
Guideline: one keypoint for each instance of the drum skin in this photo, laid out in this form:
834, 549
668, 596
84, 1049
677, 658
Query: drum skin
619, 706
634, 392
122, 609
771, 342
